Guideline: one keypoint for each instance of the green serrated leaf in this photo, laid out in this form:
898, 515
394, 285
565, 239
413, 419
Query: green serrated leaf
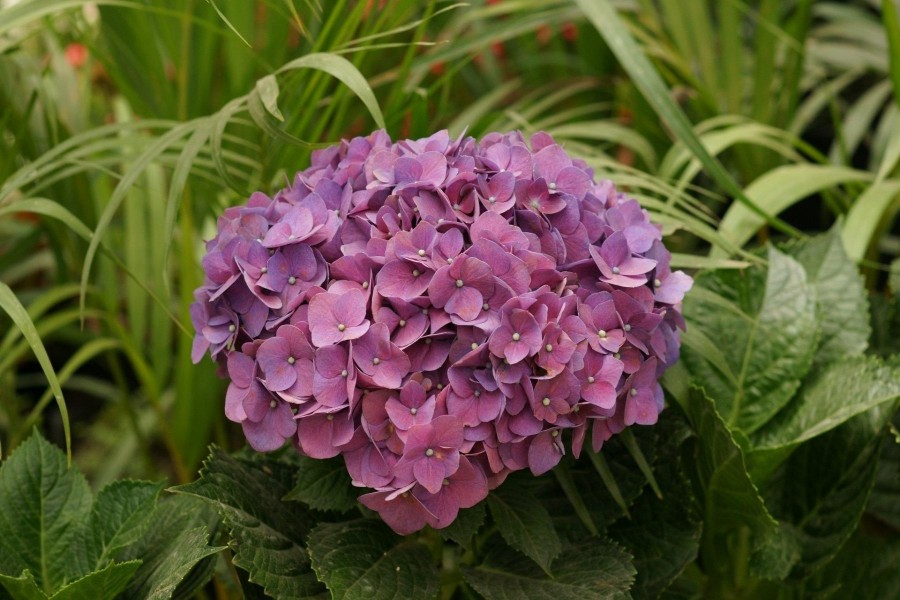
662, 535
843, 310
842, 390
23, 587
267, 533
525, 523
822, 489
595, 570
365, 560
865, 568
465, 525
44, 505
324, 485
120, 515
105, 583
767, 338
175, 549
884, 501
732, 502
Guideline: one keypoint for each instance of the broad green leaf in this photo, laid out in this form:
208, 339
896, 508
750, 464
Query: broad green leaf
44, 505
868, 213
779, 189
524, 523
324, 485
595, 570
762, 322
108, 582
662, 535
365, 560
10, 304
120, 515
23, 587
174, 549
465, 525
843, 310
732, 501
865, 568
884, 501
841, 391
821, 490
267, 533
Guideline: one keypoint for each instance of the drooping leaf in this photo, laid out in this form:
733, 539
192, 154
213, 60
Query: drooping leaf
843, 311
44, 504
175, 550
594, 570
365, 560
842, 390
822, 489
524, 523
662, 535
762, 322
10, 304
324, 485
465, 526
267, 533
732, 501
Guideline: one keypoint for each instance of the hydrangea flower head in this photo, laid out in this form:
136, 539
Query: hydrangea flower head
439, 312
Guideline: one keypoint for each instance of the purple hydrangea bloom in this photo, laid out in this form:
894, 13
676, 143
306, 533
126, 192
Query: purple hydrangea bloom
439, 313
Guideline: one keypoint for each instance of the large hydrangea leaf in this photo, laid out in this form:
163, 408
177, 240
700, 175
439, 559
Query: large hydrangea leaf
324, 485
821, 491
267, 534
760, 330
365, 560
524, 523
595, 570
44, 504
840, 296
105, 583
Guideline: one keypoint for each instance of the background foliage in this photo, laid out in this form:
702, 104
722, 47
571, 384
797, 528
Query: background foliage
126, 126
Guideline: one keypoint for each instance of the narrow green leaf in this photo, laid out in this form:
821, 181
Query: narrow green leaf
891, 19
608, 478
870, 211
267, 533
344, 71
525, 524
637, 454
779, 189
44, 506
228, 23
595, 570
365, 560
267, 88
767, 341
11, 305
564, 477
632, 58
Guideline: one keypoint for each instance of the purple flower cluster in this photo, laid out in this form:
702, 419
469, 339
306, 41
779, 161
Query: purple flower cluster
438, 311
